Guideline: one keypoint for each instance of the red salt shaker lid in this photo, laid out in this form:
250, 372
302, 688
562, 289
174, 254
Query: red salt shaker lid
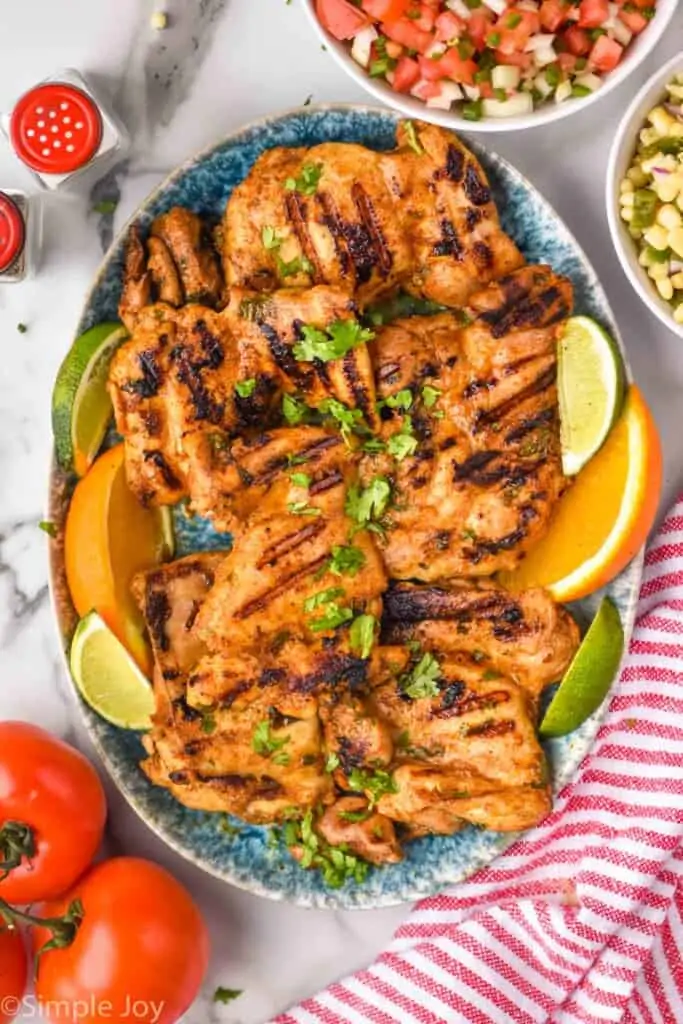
55, 128
12, 231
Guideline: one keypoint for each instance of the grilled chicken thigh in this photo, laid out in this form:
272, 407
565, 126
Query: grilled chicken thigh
421, 216
479, 488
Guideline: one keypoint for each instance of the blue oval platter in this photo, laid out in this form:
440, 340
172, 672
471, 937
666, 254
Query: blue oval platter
243, 856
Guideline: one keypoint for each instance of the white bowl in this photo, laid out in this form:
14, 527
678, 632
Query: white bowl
411, 107
623, 148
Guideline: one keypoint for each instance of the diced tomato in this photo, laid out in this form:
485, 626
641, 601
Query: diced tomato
479, 26
552, 14
606, 54
385, 10
518, 60
642, 4
341, 19
577, 41
592, 13
426, 90
393, 49
432, 69
516, 27
453, 66
404, 32
567, 62
633, 20
486, 90
406, 74
422, 16
448, 26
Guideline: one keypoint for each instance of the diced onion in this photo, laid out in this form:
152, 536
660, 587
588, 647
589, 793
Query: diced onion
542, 85
460, 8
539, 42
436, 49
517, 105
497, 6
450, 92
621, 33
505, 76
588, 81
362, 45
473, 92
563, 92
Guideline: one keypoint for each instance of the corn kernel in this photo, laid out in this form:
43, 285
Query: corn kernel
678, 313
644, 258
627, 198
665, 289
675, 240
661, 120
648, 135
637, 176
669, 217
679, 201
677, 281
658, 271
668, 188
159, 20
626, 214
657, 237
626, 185
676, 130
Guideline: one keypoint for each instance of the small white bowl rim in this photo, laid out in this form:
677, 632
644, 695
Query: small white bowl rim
624, 245
546, 114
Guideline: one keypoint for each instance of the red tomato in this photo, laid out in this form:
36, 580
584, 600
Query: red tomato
432, 70
453, 66
385, 10
633, 20
567, 62
341, 19
479, 26
422, 16
577, 41
552, 14
425, 90
605, 54
404, 32
518, 60
51, 788
516, 27
406, 74
141, 943
592, 13
13, 974
448, 26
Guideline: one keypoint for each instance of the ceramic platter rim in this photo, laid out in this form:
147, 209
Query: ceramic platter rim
446, 861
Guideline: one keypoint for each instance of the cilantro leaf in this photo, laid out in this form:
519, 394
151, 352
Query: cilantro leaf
323, 597
332, 613
403, 399
300, 479
332, 762
294, 410
48, 527
302, 508
373, 783
367, 504
349, 420
307, 182
335, 863
226, 995
346, 560
362, 635
430, 396
373, 445
354, 816
411, 136
421, 680
265, 744
270, 238
299, 265
332, 343
404, 442
245, 388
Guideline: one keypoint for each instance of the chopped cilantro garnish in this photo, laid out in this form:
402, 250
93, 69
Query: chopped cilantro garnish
421, 680
332, 343
300, 479
105, 206
48, 527
335, 863
411, 136
349, 420
266, 745
298, 460
332, 762
404, 442
299, 265
294, 410
302, 508
208, 722
323, 597
346, 560
307, 182
270, 238
22, 328
245, 388
333, 614
401, 400
354, 816
226, 995
490, 674
430, 396
513, 20
374, 783
368, 504
362, 635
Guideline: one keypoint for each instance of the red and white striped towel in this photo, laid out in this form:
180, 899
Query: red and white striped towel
582, 918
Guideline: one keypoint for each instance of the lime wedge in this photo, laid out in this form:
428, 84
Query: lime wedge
590, 675
591, 390
108, 679
81, 407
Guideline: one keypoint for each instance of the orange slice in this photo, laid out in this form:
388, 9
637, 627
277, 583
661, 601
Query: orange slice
109, 536
605, 516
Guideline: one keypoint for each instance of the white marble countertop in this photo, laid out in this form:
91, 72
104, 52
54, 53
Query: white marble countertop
219, 64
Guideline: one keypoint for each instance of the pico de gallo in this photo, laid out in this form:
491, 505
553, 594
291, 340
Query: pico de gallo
493, 58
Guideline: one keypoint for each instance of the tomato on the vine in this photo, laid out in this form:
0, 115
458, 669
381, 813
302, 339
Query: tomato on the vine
13, 973
141, 943
52, 814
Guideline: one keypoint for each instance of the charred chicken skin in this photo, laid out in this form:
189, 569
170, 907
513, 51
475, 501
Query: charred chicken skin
348, 669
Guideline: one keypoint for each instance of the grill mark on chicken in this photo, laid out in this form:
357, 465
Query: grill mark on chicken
148, 385
449, 245
483, 255
542, 419
481, 548
455, 164
531, 313
491, 728
167, 474
543, 381
335, 669
332, 479
472, 217
476, 190
289, 543
368, 215
152, 422
419, 605
476, 470
157, 614
467, 701
185, 710
296, 211
259, 604
475, 386
361, 395
334, 225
